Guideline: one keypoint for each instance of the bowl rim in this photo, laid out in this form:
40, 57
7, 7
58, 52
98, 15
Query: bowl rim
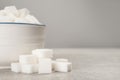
23, 23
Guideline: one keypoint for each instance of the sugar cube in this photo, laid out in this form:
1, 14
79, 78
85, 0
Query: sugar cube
28, 59
16, 67
43, 53
45, 65
2, 13
32, 19
27, 68
23, 12
11, 9
62, 66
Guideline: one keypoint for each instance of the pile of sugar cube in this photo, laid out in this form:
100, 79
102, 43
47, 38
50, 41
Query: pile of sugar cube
40, 61
12, 14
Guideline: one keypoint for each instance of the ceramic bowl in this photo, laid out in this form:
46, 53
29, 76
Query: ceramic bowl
17, 39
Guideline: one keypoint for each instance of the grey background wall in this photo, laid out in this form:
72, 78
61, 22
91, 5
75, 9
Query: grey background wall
76, 23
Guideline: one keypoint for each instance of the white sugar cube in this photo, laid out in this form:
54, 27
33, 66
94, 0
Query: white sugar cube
43, 53
11, 9
32, 19
45, 66
16, 67
61, 59
23, 12
2, 13
11, 16
63, 66
27, 68
28, 59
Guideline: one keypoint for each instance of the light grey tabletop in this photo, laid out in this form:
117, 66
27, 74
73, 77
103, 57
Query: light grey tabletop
88, 64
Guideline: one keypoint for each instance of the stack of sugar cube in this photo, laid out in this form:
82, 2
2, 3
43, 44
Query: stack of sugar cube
40, 61
12, 14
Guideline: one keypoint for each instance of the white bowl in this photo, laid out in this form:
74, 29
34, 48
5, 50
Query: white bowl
17, 39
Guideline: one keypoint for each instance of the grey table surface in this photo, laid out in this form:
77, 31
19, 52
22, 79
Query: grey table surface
88, 64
